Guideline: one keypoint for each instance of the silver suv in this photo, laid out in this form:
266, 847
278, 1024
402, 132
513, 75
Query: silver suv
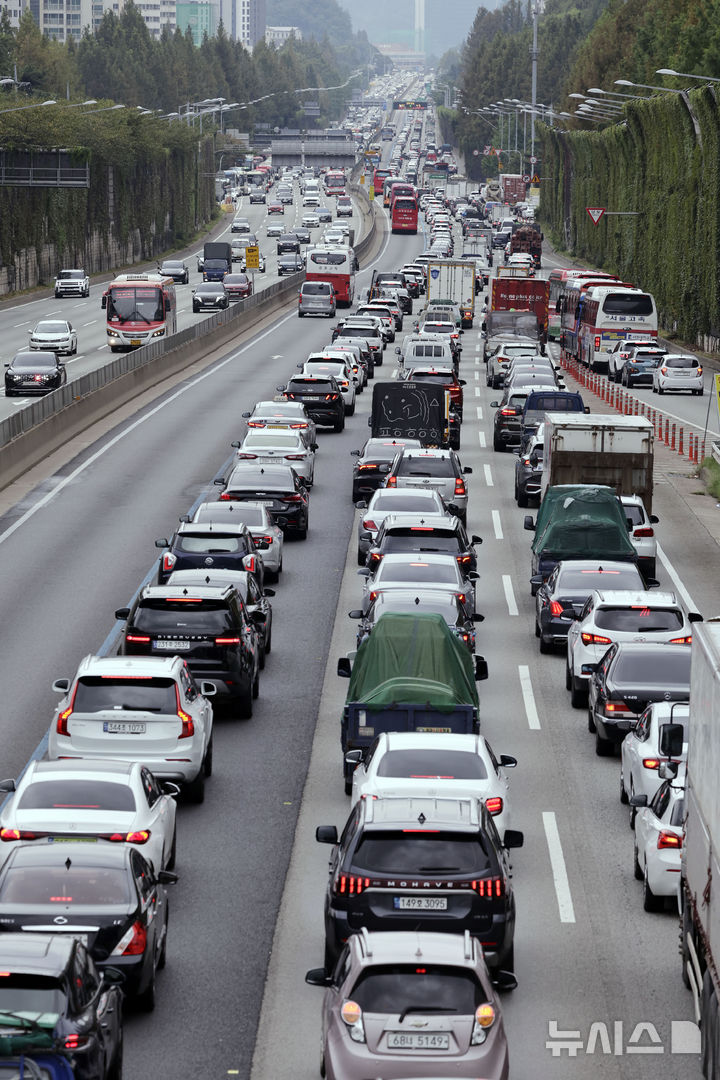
72, 283
430, 469
317, 298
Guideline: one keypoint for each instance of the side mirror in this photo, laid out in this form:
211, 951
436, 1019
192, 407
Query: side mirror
207, 688
236, 445
504, 981
477, 617
481, 669
344, 668
169, 788
316, 977
185, 519
528, 523
245, 415
652, 583
473, 575
326, 834
589, 669
513, 838
475, 539
356, 613
361, 504
654, 519
353, 757
467, 470
638, 800
268, 592
494, 404
112, 976
120, 613
586, 409
162, 543
364, 571
508, 761
7, 785
103, 301
694, 616
61, 686
166, 877
355, 453
537, 581
672, 737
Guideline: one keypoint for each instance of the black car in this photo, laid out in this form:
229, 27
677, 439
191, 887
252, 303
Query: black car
410, 602
626, 680
507, 425
290, 264
106, 894
321, 397
304, 236
408, 864
288, 243
53, 975
256, 599
639, 368
501, 238
210, 545
373, 464
175, 269
210, 294
276, 486
562, 597
528, 470
34, 372
208, 627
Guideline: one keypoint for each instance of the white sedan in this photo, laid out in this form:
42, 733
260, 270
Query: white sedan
310, 221
56, 335
268, 537
640, 751
103, 801
658, 841
427, 764
278, 448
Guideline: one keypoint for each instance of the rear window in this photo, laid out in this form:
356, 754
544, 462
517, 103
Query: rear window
627, 303
634, 514
96, 694
425, 466
201, 545
433, 379
396, 988
400, 852
417, 764
554, 403
587, 580
78, 795
638, 619
681, 362
417, 541
428, 350
97, 885
669, 667
311, 386
328, 258
417, 571
200, 616
316, 288
289, 442
388, 502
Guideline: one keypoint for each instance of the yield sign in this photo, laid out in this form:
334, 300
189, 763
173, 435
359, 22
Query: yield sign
595, 212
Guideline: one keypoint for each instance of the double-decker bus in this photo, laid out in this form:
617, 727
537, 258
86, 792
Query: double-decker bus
380, 175
140, 309
404, 214
608, 313
336, 264
334, 182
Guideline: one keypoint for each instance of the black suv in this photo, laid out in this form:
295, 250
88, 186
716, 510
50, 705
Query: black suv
507, 425
373, 464
321, 397
54, 975
209, 627
278, 487
288, 244
211, 546
431, 864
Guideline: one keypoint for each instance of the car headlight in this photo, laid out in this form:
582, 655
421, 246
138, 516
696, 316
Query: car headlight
112, 333
159, 333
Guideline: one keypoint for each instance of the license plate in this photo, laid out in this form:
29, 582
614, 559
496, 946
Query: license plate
72, 839
171, 646
124, 727
265, 502
436, 730
420, 903
313, 399
276, 427
418, 1040
267, 460
135, 341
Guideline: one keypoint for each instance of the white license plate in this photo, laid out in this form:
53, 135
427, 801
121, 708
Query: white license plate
264, 502
135, 341
420, 903
72, 839
436, 730
418, 1040
277, 427
267, 460
171, 646
313, 399
124, 727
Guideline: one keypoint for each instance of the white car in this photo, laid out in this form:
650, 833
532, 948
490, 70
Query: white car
679, 371
311, 199
640, 755
310, 221
268, 537
642, 534
278, 448
137, 708
658, 842
340, 370
333, 236
429, 571
428, 764
275, 228
116, 801
56, 335
628, 616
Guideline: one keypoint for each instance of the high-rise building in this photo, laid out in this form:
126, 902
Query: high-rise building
156, 13
14, 9
278, 35
63, 19
199, 16
244, 20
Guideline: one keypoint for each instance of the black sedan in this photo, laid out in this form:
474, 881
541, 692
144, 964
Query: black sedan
562, 597
34, 372
627, 679
373, 464
303, 235
105, 894
52, 975
290, 264
210, 294
276, 486
175, 269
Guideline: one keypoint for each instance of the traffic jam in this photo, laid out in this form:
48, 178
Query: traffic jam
422, 904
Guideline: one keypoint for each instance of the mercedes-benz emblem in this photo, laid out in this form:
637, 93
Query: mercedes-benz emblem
60, 920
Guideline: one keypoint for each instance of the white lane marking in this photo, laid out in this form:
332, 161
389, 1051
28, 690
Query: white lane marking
478, 391
71, 477
278, 356
477, 376
528, 697
509, 594
92, 323
559, 870
479, 412
676, 580
488, 476
18, 324
72, 359
477, 348
496, 525
481, 437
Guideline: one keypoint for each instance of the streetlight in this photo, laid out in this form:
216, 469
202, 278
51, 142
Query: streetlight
613, 93
36, 105
684, 75
106, 108
647, 86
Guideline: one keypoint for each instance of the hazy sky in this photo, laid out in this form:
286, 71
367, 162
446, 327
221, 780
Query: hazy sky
447, 22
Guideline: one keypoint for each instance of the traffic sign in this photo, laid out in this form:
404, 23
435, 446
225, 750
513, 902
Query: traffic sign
536, 179
526, 179
476, 153
533, 161
252, 257
595, 212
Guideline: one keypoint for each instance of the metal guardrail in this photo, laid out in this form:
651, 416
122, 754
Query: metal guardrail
716, 452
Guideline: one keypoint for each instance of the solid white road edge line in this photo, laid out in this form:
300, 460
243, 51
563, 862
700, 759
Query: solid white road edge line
559, 871
509, 594
528, 698
676, 580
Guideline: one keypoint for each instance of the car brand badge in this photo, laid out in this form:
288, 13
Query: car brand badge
60, 920
418, 1023
667, 696
209, 561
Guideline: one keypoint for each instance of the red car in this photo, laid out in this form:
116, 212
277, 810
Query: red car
275, 208
239, 286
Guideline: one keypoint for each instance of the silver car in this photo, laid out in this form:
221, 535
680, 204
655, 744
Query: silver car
386, 501
281, 415
431, 468
267, 535
57, 335
278, 448
317, 298
428, 571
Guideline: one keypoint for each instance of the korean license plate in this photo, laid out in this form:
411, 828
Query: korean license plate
267, 460
418, 1040
420, 903
436, 730
72, 839
171, 646
135, 341
313, 399
124, 727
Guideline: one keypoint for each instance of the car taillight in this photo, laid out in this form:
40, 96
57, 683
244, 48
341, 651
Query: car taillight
249, 563
376, 558
140, 836
349, 884
168, 561
391, 482
292, 498
245, 457
294, 457
265, 539
681, 640
463, 560
644, 531
227, 640
651, 763
663, 371
489, 887
617, 708
698, 371
135, 639
508, 412
595, 639
133, 942
15, 834
74, 1041
256, 423
494, 805
556, 608
372, 465
331, 397
188, 726
597, 342
62, 728
227, 497
668, 840
460, 488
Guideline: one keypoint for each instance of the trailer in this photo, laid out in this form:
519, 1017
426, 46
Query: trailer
453, 282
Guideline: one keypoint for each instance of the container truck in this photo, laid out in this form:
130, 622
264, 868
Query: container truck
513, 187
522, 294
454, 282
614, 451
527, 240
700, 868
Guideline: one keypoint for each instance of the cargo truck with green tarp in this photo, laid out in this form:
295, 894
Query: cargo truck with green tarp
411, 674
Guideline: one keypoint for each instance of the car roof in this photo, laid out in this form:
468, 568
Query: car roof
245, 473
151, 667
428, 521
410, 740
628, 598
81, 854
404, 558
427, 452
171, 592
211, 528
79, 767
595, 564
437, 812
213, 580
418, 596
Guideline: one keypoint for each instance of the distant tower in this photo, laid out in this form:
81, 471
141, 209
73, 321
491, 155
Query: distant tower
419, 26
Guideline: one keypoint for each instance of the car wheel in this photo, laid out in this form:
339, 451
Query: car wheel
162, 958
301, 534
301, 314
623, 793
268, 643
256, 684
145, 1002
537, 629
348, 790
360, 557
633, 809
261, 663
568, 677
245, 704
195, 789
195, 309
208, 759
701, 391
115, 1070
497, 446
651, 902
545, 645
660, 390
637, 868
488, 380
351, 410
686, 928
339, 425
591, 719
170, 864
603, 747
578, 694
521, 498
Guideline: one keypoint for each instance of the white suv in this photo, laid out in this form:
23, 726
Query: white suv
145, 708
72, 283
679, 371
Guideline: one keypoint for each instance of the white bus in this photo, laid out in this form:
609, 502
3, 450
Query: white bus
609, 313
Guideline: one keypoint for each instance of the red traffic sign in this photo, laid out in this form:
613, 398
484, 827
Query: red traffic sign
595, 212
526, 179
475, 153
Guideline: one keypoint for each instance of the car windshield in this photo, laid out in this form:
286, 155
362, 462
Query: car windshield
393, 988
417, 571
33, 361
586, 580
76, 794
198, 616
128, 303
97, 693
29, 993
432, 764
669, 666
51, 328
92, 885
202, 545
70, 275
425, 466
401, 852
638, 619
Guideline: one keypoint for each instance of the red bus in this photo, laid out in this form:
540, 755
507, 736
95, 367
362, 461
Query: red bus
404, 214
140, 309
334, 181
380, 175
335, 264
